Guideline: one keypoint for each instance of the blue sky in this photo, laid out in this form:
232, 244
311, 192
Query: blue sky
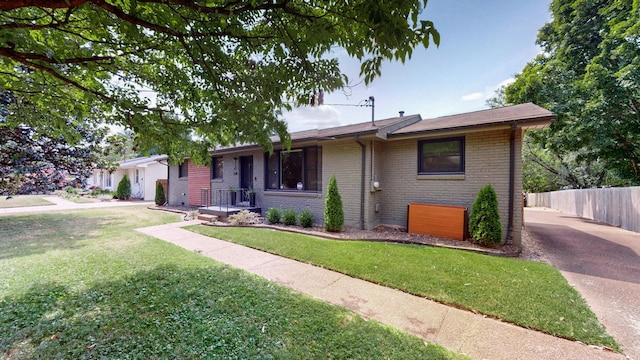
483, 44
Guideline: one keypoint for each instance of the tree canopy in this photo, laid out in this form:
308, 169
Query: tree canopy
589, 75
34, 158
188, 76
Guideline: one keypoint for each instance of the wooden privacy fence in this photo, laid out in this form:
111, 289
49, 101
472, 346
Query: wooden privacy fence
614, 206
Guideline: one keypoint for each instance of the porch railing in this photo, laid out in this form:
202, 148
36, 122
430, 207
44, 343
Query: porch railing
228, 198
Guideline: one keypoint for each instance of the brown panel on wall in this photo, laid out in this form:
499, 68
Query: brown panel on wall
437, 220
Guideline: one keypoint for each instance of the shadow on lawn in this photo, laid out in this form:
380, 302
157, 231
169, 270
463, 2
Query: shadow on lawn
36, 234
174, 312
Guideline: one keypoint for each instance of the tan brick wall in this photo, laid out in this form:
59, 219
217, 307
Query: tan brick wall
486, 161
342, 158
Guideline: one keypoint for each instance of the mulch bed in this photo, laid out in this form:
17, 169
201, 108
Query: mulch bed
382, 233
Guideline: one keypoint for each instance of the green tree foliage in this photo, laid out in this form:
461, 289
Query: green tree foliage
123, 192
333, 212
160, 199
219, 72
484, 220
33, 158
589, 75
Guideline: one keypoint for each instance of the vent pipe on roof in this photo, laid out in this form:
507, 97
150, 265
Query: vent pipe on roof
372, 100
401, 113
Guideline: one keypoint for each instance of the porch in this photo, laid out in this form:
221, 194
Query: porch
225, 202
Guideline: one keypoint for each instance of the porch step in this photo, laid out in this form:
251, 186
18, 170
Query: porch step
207, 217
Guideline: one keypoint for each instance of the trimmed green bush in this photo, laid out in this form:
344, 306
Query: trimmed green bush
289, 217
274, 215
305, 219
484, 221
123, 192
333, 213
161, 199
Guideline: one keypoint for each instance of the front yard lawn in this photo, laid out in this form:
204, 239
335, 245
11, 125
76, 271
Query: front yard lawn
22, 201
85, 285
526, 293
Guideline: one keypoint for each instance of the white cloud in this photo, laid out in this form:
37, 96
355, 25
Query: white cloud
506, 82
305, 118
489, 91
473, 96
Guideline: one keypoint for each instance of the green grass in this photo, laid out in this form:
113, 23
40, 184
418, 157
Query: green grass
85, 285
22, 201
529, 294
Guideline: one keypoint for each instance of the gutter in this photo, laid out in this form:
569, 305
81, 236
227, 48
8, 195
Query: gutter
362, 180
512, 167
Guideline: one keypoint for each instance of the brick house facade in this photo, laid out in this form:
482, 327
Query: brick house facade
377, 167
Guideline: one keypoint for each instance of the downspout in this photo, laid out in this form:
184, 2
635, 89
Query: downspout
512, 168
362, 174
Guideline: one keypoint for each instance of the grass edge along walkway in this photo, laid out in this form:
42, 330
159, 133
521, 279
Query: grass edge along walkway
528, 294
18, 201
83, 284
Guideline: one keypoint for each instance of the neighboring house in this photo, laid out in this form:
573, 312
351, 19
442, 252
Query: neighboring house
143, 172
380, 167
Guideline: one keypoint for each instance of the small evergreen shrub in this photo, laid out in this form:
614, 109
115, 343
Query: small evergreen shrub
484, 221
244, 217
123, 192
333, 213
274, 215
289, 217
305, 219
160, 199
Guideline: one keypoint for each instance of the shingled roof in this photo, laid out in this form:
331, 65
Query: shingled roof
524, 114
379, 127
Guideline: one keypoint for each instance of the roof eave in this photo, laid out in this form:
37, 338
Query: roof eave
534, 122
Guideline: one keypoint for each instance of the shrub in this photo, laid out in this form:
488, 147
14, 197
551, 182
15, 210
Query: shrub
274, 215
161, 199
305, 219
123, 192
289, 217
484, 221
71, 190
333, 213
244, 217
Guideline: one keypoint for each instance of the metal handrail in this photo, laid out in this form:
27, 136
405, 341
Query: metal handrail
230, 198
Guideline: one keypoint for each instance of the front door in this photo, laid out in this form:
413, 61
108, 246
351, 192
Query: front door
246, 175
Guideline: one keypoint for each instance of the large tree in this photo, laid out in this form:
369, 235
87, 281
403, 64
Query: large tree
187, 76
35, 158
589, 75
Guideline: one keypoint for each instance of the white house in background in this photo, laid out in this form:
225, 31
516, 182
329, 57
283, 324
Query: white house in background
143, 172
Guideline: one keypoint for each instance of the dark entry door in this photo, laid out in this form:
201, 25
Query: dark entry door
246, 174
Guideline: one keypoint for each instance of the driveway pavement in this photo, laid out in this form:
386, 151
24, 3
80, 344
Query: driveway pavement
602, 262
61, 204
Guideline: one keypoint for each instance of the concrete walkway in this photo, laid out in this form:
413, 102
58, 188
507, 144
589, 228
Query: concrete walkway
61, 204
461, 331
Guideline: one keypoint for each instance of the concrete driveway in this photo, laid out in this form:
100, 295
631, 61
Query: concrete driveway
602, 262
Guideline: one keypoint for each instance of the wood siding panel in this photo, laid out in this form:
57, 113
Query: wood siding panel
438, 220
